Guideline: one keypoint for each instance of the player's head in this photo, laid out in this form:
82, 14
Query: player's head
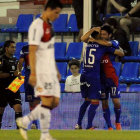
9, 47
52, 9
112, 22
106, 32
74, 66
95, 34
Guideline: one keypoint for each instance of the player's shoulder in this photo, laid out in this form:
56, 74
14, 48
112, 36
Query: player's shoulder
69, 77
37, 23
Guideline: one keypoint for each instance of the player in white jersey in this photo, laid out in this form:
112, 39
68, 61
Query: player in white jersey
44, 75
72, 83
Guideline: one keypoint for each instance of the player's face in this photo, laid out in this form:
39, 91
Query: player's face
74, 70
105, 35
54, 13
11, 49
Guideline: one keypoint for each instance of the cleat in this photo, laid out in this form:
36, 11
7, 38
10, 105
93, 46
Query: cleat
92, 128
22, 128
118, 126
110, 128
77, 126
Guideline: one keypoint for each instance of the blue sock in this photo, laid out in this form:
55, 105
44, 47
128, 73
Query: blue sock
91, 114
117, 114
106, 114
82, 111
35, 122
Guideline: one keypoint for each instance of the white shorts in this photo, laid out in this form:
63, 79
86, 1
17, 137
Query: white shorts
47, 85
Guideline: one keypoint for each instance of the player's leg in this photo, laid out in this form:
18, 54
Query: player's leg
1, 115
115, 95
82, 112
106, 114
91, 112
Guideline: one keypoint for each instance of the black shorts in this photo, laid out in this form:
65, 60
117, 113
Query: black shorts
8, 97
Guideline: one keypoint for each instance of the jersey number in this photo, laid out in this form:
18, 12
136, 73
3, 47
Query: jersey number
91, 57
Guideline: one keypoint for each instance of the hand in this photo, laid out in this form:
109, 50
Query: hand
97, 29
127, 16
122, 9
18, 74
32, 80
59, 76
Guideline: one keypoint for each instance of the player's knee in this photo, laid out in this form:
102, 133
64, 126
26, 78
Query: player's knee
105, 104
117, 105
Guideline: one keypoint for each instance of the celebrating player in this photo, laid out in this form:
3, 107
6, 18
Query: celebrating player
110, 83
90, 77
44, 73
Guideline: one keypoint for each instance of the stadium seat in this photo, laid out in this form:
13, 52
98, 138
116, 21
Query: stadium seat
74, 51
72, 24
123, 87
37, 16
22, 25
62, 67
130, 72
60, 50
1, 44
134, 88
110, 15
134, 45
117, 66
60, 24
62, 86
19, 46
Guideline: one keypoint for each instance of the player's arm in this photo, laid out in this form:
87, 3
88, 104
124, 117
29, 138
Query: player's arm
119, 52
101, 42
86, 36
58, 73
20, 64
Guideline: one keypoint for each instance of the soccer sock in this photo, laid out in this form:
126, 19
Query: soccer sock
45, 118
1, 120
91, 114
82, 111
17, 115
106, 114
117, 114
33, 115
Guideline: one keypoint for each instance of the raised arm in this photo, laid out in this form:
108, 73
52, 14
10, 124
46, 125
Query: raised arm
119, 52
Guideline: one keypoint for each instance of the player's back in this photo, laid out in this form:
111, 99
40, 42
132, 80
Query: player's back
92, 59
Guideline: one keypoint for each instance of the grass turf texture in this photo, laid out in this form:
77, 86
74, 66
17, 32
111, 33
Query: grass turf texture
74, 135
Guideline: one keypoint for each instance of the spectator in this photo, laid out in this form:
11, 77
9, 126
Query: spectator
132, 16
73, 81
120, 35
78, 8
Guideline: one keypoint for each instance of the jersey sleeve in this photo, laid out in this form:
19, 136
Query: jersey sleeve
115, 44
110, 50
35, 33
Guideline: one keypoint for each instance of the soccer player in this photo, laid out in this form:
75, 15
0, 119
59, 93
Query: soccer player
29, 91
8, 72
90, 77
72, 83
110, 83
44, 76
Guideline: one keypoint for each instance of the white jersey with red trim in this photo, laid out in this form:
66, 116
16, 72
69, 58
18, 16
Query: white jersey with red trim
41, 34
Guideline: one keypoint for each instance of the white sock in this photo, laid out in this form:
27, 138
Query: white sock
45, 118
33, 115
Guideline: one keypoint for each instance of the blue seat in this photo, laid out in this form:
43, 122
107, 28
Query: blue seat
22, 25
110, 15
134, 45
60, 50
60, 24
117, 66
37, 16
74, 51
72, 24
62, 86
134, 88
1, 44
62, 67
19, 46
123, 87
130, 72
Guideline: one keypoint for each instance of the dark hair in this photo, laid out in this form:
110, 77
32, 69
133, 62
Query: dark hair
74, 62
94, 34
7, 44
53, 4
112, 22
107, 28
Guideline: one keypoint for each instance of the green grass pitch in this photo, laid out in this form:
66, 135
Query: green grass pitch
74, 135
